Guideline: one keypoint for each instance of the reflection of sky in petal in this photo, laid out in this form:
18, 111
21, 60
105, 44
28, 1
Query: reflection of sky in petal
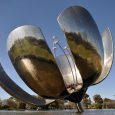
70, 72
77, 20
24, 31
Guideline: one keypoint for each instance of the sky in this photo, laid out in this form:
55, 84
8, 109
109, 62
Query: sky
43, 13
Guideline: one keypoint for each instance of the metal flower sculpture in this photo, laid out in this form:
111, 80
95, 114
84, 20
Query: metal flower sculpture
86, 60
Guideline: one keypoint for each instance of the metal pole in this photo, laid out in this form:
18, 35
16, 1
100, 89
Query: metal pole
79, 107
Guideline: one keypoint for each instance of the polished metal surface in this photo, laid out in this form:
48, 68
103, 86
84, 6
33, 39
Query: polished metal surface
86, 60
108, 54
34, 62
73, 81
13, 89
67, 66
79, 107
84, 41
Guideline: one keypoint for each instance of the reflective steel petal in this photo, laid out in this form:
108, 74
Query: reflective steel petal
34, 62
84, 41
108, 54
8, 85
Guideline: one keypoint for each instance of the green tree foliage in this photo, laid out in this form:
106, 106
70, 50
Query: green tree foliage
54, 105
106, 100
11, 102
86, 101
21, 105
57, 104
98, 101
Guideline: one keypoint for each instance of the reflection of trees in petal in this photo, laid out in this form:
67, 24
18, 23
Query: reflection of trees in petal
37, 67
86, 57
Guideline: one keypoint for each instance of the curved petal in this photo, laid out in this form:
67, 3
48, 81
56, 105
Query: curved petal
84, 40
108, 55
34, 62
13, 89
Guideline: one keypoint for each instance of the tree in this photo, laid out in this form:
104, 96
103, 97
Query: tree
108, 103
21, 105
11, 103
31, 107
54, 105
57, 104
86, 101
98, 101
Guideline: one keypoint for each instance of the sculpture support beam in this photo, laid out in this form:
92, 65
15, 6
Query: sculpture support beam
79, 107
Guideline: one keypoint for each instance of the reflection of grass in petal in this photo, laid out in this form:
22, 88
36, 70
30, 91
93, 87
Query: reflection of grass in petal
31, 46
84, 50
86, 57
35, 64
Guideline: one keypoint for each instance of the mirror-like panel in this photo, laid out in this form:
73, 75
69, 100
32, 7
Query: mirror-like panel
34, 62
84, 41
70, 73
9, 86
108, 54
